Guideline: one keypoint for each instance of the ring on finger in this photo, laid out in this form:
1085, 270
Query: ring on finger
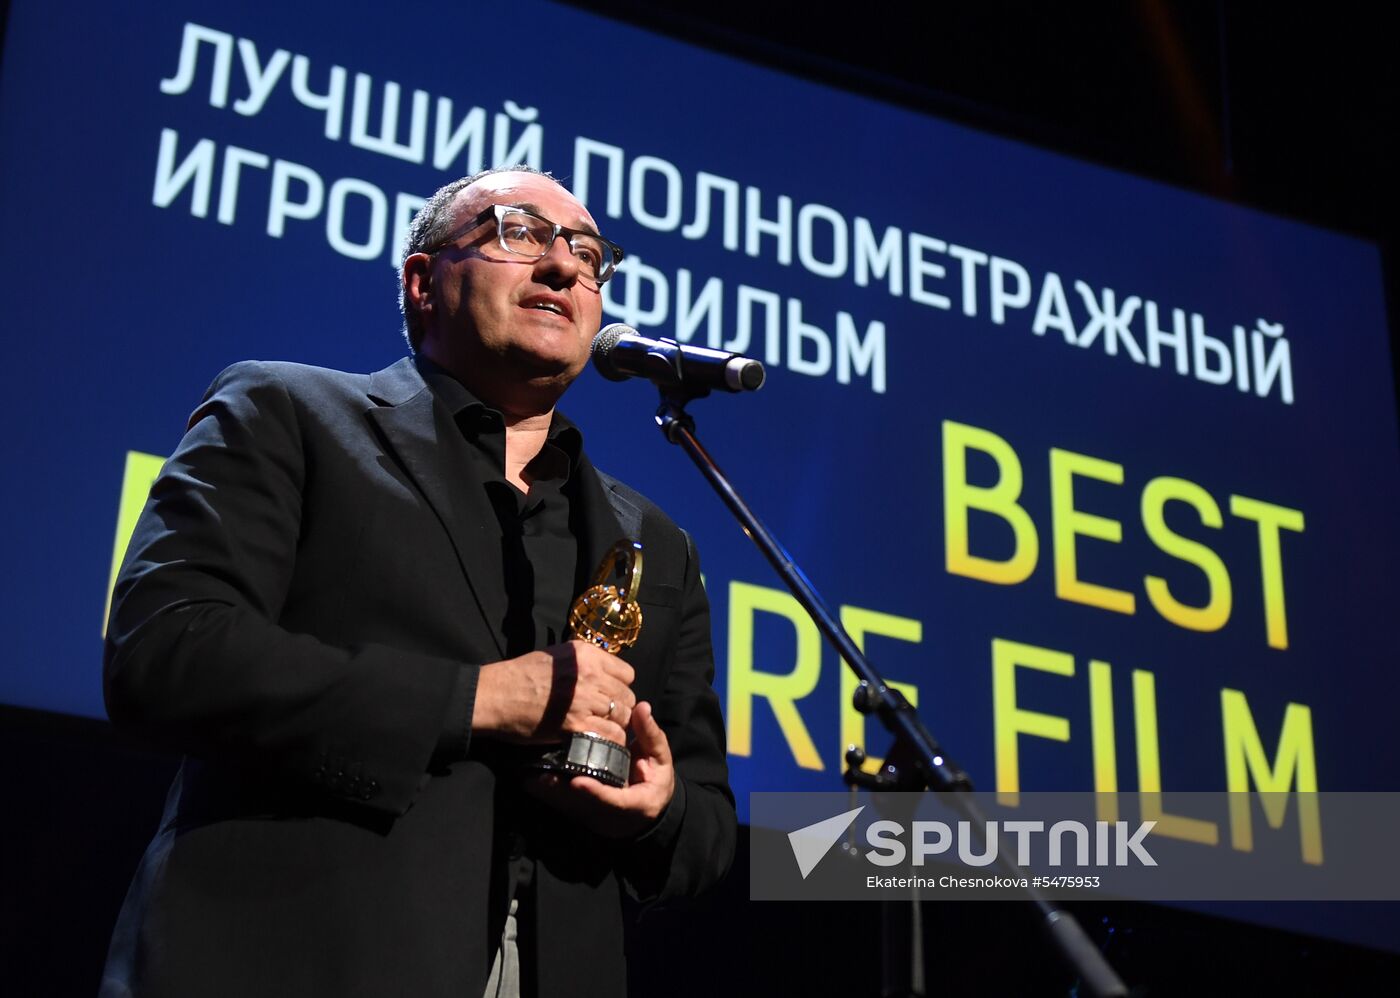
612, 706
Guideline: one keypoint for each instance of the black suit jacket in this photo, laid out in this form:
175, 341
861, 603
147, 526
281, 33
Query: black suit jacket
295, 607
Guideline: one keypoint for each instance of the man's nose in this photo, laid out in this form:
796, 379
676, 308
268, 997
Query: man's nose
561, 260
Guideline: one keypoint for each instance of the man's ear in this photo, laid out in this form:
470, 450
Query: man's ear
418, 290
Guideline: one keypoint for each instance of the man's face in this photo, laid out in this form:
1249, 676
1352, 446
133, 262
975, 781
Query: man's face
505, 316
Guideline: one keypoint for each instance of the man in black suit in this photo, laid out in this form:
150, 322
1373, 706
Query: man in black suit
345, 602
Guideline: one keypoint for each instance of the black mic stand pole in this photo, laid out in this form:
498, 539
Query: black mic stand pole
916, 762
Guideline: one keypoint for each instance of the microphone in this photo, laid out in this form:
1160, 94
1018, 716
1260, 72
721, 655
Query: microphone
620, 352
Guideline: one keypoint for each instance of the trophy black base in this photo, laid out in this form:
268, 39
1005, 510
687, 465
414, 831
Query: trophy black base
587, 754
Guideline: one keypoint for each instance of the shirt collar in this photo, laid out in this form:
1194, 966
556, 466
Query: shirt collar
475, 417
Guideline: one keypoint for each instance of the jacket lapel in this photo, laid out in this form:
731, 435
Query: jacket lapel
423, 436
607, 518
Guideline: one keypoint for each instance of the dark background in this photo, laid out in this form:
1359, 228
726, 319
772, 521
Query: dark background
1291, 108
1286, 108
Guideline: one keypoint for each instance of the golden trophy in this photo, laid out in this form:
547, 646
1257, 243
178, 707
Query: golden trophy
608, 615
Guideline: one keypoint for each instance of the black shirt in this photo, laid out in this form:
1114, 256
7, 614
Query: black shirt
539, 552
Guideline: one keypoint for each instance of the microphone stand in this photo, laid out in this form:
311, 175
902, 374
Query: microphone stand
915, 763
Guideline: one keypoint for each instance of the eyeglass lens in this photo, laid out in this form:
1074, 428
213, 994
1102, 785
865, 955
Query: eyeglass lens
528, 235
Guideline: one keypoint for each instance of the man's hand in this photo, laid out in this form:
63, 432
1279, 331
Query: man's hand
538, 697
619, 812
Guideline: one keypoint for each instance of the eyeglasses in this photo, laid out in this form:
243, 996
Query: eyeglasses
523, 233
